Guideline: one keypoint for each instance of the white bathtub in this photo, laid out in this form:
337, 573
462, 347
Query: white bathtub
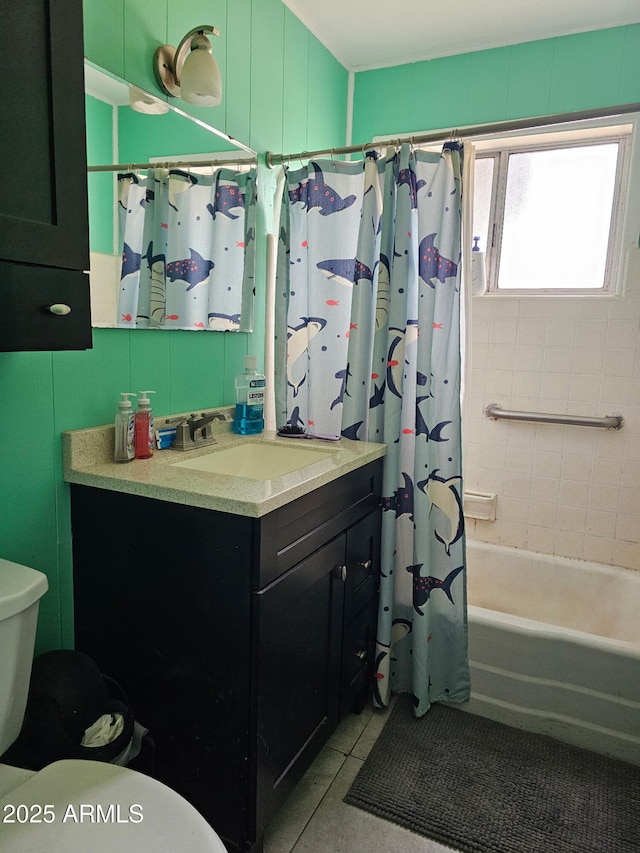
554, 647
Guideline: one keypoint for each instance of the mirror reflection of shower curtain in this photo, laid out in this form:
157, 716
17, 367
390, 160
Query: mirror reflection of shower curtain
188, 249
368, 347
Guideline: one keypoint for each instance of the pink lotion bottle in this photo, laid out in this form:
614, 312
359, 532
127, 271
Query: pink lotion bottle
143, 434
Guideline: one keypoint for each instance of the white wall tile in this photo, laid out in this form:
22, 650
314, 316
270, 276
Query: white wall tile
618, 362
569, 544
545, 489
601, 523
555, 386
543, 514
588, 360
541, 539
529, 357
502, 330
568, 490
585, 387
573, 494
627, 528
571, 518
576, 467
557, 359
626, 554
591, 333
598, 550
531, 331
622, 333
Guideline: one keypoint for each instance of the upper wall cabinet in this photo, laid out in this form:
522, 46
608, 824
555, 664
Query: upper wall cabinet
44, 244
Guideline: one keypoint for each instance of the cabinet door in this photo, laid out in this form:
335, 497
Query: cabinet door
298, 671
363, 564
360, 612
43, 193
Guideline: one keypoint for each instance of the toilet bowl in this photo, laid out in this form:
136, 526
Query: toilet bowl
75, 805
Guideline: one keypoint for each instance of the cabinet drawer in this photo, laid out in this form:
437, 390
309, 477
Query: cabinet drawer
298, 529
27, 324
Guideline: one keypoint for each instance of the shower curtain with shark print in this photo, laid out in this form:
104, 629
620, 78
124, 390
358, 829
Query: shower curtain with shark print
368, 348
188, 247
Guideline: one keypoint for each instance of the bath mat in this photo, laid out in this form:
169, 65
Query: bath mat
482, 787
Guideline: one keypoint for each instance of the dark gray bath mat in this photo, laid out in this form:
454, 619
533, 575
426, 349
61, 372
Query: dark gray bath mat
483, 787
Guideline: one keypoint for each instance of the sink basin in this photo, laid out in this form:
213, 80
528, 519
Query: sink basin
256, 460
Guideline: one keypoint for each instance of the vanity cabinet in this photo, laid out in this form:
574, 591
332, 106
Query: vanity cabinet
241, 642
44, 234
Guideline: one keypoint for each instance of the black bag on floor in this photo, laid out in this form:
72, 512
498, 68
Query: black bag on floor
68, 694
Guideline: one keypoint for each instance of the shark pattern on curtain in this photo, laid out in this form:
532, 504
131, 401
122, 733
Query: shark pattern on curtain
188, 249
368, 347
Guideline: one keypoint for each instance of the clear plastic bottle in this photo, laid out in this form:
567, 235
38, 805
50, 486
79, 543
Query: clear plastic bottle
123, 450
144, 437
250, 389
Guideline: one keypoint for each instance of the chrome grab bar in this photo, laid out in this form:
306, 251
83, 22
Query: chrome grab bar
493, 410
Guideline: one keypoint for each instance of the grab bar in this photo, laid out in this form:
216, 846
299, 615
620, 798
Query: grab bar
493, 410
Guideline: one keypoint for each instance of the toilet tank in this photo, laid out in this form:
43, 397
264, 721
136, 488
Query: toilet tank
21, 589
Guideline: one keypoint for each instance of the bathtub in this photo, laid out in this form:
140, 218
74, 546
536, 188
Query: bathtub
554, 647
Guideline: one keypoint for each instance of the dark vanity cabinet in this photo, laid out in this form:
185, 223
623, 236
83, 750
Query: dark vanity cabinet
44, 234
241, 642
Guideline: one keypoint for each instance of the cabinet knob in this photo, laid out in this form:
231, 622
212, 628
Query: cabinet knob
59, 309
340, 573
361, 655
365, 564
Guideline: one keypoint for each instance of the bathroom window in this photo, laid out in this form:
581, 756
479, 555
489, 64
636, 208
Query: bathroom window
548, 210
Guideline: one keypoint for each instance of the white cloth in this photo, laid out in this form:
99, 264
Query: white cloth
105, 730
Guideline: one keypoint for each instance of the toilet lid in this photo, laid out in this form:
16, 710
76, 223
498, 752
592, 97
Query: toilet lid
72, 806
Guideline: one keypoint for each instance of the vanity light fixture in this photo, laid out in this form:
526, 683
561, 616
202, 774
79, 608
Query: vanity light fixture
190, 71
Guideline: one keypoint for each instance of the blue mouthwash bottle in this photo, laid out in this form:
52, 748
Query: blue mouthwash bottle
250, 387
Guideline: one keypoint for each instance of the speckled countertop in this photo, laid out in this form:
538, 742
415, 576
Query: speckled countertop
88, 455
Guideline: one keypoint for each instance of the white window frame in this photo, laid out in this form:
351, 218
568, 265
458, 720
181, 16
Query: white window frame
625, 217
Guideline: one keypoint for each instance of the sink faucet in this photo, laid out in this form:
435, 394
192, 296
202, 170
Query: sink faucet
195, 431
196, 424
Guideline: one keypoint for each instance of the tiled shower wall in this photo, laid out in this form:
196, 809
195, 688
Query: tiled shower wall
566, 490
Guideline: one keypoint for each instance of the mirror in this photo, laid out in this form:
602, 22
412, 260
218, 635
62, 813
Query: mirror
211, 289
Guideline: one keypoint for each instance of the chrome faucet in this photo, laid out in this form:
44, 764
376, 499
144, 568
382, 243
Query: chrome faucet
196, 424
195, 431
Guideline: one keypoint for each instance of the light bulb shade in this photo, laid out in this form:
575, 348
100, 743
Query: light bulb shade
200, 80
143, 102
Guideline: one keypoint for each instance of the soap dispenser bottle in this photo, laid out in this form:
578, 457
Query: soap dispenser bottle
250, 390
123, 451
144, 437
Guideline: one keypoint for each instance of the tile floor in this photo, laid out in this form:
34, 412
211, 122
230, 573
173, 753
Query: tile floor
315, 820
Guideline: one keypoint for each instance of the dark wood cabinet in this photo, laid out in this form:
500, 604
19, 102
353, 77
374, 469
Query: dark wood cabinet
241, 642
44, 234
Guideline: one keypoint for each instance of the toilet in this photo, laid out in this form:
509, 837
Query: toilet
72, 806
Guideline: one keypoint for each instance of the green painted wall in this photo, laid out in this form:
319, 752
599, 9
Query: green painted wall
99, 184
554, 75
269, 63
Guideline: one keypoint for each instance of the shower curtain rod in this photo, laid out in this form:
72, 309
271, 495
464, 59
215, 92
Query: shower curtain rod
461, 133
170, 164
